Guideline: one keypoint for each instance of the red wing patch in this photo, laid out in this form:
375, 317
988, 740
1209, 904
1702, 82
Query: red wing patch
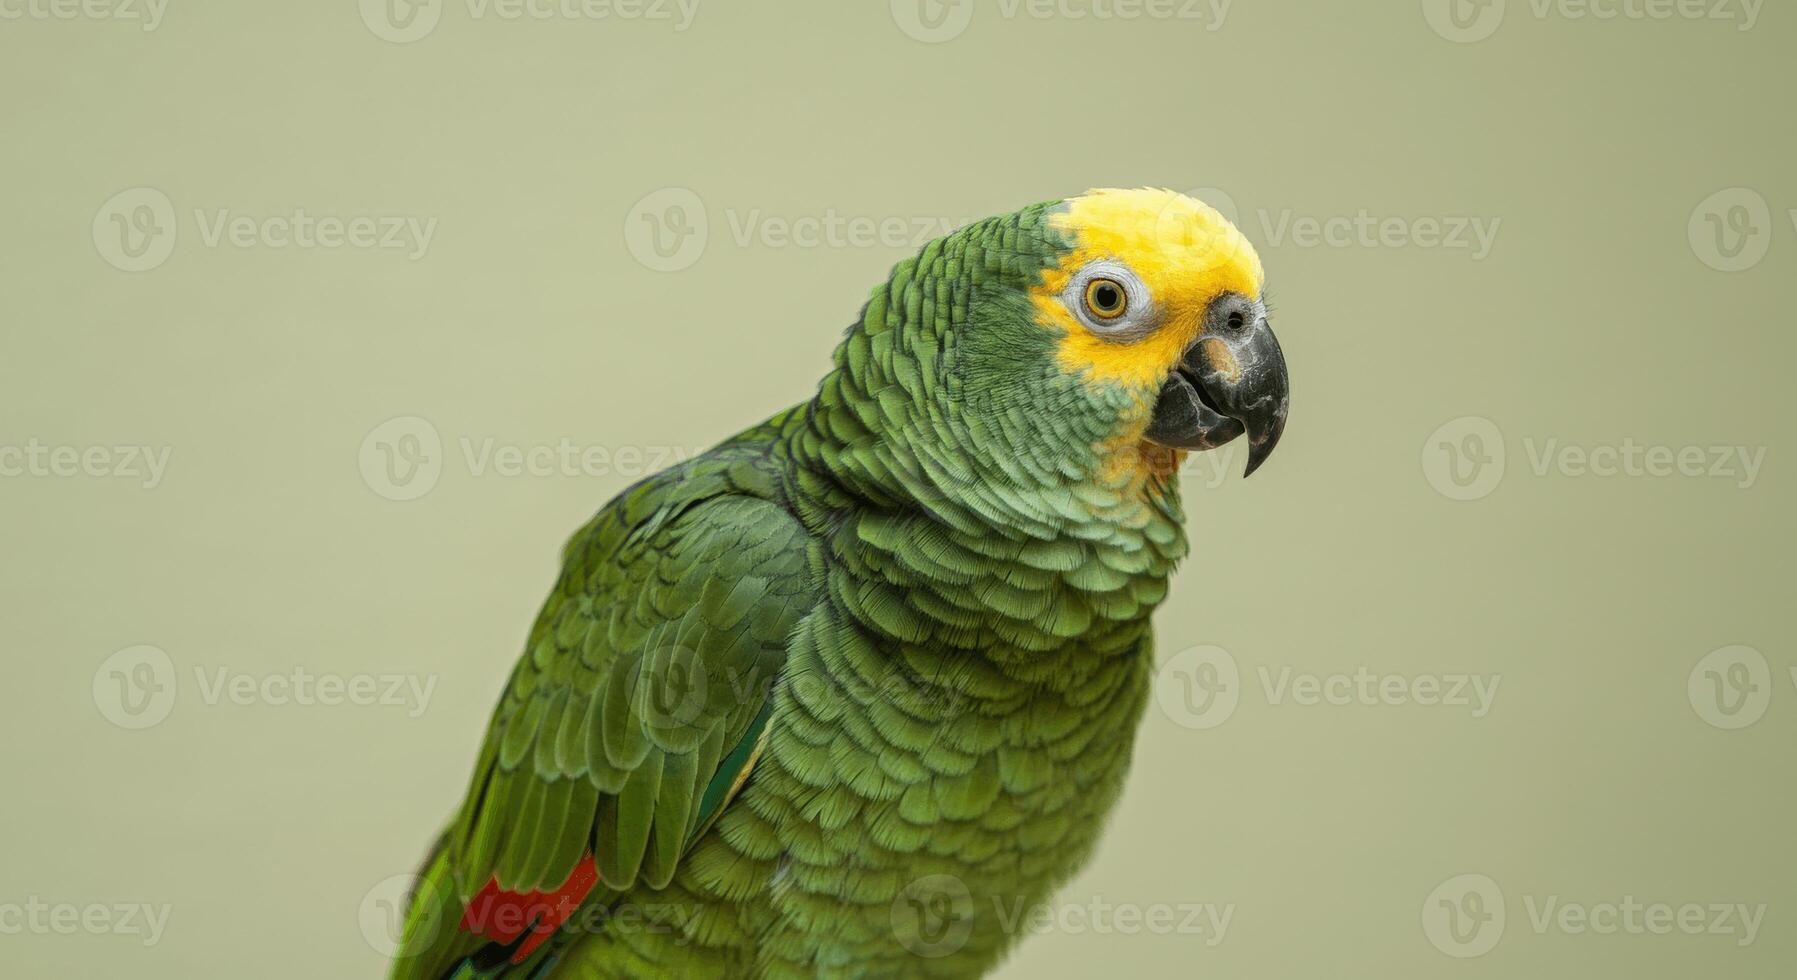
503, 916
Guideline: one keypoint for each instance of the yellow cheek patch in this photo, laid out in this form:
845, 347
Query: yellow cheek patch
1182, 249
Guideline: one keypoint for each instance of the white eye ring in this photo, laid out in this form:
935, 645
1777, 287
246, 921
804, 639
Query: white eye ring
1136, 320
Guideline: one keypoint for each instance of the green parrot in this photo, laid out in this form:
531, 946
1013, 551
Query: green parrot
827, 699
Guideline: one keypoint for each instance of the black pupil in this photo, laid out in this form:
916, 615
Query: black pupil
1236, 321
1107, 296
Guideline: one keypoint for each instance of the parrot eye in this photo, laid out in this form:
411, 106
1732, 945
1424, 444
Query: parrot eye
1112, 301
1106, 298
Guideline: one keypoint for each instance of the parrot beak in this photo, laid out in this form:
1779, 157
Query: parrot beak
1231, 381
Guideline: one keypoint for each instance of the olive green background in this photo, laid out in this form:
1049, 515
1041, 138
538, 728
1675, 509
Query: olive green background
269, 830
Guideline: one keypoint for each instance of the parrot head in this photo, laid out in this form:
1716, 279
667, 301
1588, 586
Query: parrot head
1084, 341
1160, 297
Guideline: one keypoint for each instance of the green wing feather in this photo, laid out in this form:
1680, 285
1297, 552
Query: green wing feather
643, 693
